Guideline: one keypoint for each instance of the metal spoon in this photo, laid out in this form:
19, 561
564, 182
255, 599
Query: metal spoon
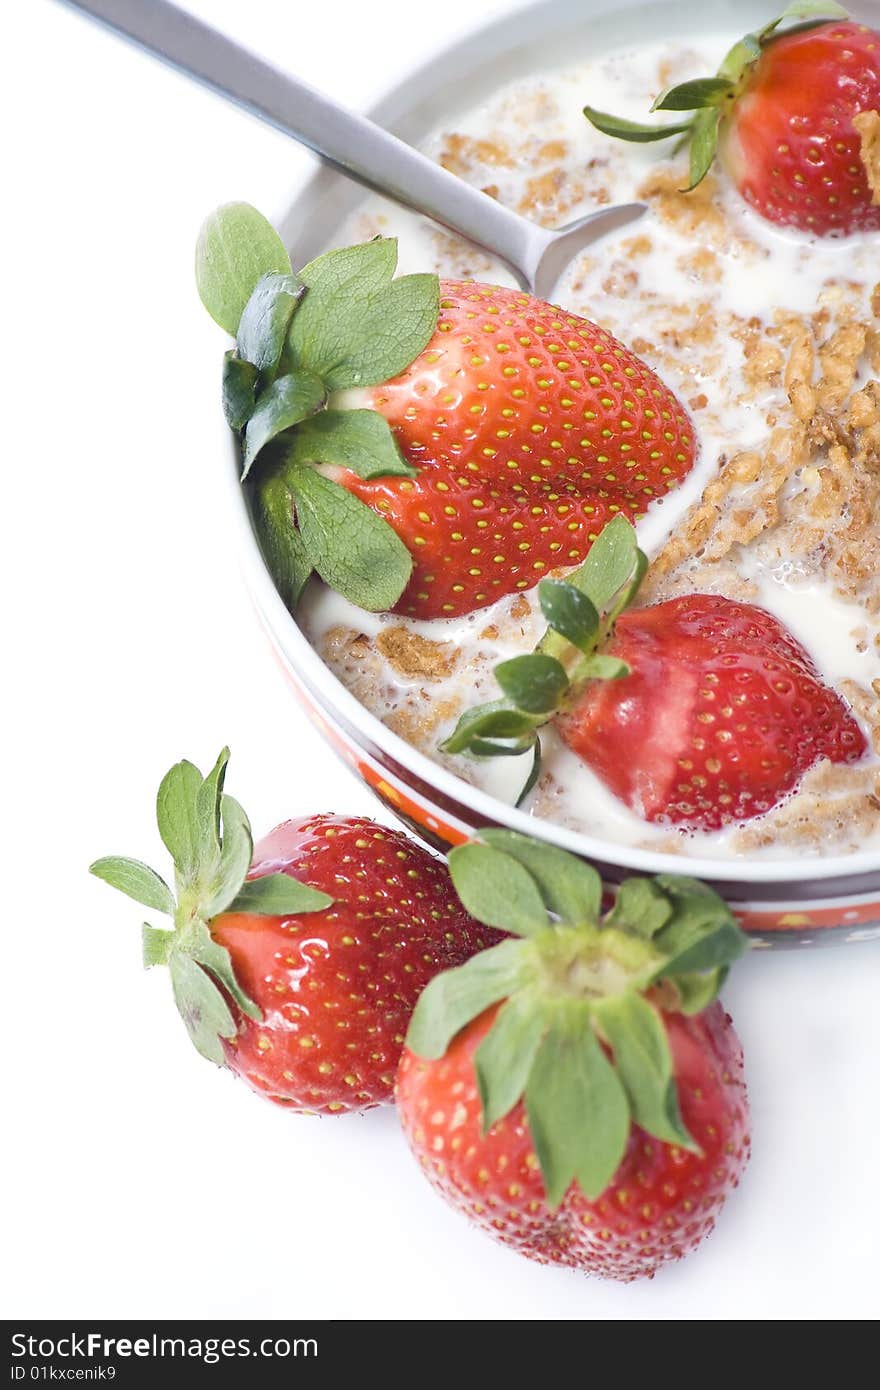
355, 145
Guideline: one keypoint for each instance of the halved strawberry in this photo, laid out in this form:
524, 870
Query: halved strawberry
782, 111
720, 716
426, 447
698, 712
575, 1090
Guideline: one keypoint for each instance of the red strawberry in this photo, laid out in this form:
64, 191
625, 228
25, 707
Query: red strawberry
721, 715
529, 428
705, 711
302, 985
431, 448
337, 987
593, 1121
784, 109
798, 161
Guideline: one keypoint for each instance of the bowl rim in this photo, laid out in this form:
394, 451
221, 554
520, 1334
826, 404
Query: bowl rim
516, 27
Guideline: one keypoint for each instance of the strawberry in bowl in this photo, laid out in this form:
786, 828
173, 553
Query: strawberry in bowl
698, 712
793, 116
528, 428
425, 446
297, 962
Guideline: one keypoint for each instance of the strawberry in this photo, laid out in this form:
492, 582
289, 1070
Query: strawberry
576, 1092
782, 110
299, 968
427, 448
698, 712
721, 715
529, 429
799, 163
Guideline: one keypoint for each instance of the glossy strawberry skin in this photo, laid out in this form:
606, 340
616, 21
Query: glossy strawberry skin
721, 715
337, 988
790, 144
662, 1201
530, 428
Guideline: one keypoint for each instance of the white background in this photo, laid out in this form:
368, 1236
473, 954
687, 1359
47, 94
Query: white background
141, 1181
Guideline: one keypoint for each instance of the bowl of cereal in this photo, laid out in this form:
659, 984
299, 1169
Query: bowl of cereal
766, 334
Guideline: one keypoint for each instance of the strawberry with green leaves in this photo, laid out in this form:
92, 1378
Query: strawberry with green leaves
529, 428
297, 963
577, 1090
696, 712
783, 114
424, 446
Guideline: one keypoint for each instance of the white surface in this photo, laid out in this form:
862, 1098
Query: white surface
142, 1181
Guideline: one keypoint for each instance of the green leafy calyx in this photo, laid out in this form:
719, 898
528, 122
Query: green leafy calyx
209, 839
712, 99
341, 322
581, 612
580, 1035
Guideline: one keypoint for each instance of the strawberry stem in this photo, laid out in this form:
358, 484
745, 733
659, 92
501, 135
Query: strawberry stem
300, 339
580, 1036
711, 99
209, 838
581, 611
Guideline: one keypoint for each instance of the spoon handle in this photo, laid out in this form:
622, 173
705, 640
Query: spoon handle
349, 142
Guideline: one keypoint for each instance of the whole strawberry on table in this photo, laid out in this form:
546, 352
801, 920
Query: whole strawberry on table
296, 962
425, 446
577, 1090
569, 1078
793, 117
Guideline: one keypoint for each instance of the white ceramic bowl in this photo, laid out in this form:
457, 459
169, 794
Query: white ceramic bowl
782, 901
